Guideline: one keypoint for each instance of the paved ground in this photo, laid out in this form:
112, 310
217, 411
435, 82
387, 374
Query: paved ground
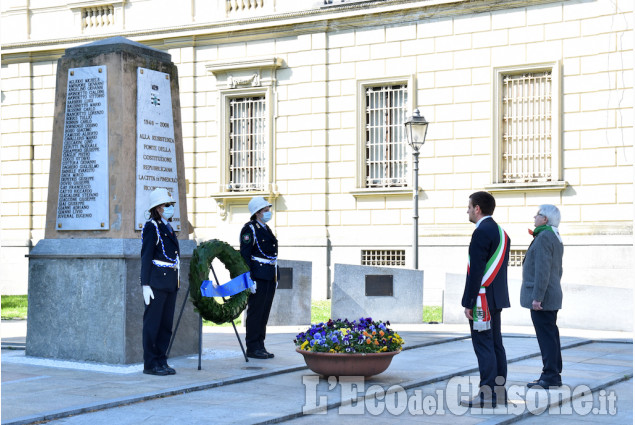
423, 383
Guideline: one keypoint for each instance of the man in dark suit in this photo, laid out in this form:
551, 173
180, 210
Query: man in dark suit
487, 276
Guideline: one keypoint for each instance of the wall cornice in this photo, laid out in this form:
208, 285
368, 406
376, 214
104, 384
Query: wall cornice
331, 18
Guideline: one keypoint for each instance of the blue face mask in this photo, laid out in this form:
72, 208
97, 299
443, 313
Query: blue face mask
168, 212
266, 216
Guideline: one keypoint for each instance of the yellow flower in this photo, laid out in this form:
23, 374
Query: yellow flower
384, 349
345, 331
331, 351
304, 344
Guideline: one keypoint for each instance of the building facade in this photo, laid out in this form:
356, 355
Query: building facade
304, 103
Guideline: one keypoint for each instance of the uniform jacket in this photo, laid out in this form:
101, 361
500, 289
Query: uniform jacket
485, 240
542, 270
164, 278
251, 246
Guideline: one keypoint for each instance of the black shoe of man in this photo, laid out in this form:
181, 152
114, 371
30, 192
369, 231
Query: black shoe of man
541, 383
258, 354
157, 370
170, 370
269, 355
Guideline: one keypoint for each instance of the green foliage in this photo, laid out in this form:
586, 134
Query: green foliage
14, 306
432, 313
202, 258
320, 311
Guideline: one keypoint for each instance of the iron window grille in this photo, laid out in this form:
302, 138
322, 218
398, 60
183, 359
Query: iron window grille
391, 257
386, 152
527, 127
247, 144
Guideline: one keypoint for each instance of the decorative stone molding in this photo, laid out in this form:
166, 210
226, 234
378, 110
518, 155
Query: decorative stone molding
97, 17
256, 72
225, 199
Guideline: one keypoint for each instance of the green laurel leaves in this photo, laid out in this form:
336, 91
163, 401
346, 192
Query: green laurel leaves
200, 263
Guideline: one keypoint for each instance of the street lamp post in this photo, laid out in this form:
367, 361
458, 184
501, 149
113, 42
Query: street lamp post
416, 129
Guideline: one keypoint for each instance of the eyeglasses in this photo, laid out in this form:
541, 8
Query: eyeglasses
541, 215
168, 204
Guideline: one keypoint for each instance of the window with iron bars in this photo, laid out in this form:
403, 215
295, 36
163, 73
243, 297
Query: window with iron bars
527, 128
382, 257
386, 152
516, 257
247, 144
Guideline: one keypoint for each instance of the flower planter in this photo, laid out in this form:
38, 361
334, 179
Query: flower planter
345, 364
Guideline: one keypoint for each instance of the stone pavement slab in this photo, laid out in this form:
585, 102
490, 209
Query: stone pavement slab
228, 390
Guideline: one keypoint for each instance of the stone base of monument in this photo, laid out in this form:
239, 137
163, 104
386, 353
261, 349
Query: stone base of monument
292, 301
383, 293
86, 303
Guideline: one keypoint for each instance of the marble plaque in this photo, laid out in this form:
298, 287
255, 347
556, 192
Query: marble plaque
156, 153
84, 190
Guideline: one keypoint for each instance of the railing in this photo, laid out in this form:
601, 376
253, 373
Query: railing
98, 16
238, 6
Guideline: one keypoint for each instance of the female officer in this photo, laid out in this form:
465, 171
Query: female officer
160, 282
259, 248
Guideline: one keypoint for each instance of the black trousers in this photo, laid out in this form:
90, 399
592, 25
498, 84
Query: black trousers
258, 309
157, 328
548, 337
490, 353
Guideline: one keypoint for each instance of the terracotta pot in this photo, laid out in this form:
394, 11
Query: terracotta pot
342, 364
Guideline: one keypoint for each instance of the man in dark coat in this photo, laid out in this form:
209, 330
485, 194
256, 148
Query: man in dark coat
259, 248
486, 295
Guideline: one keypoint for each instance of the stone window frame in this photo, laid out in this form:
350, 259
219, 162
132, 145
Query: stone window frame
248, 78
360, 150
557, 183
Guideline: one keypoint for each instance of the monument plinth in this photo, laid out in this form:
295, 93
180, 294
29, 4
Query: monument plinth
116, 137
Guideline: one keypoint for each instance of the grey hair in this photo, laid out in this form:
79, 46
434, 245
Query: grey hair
551, 213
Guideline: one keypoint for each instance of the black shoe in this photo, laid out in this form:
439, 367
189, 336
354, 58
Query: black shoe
479, 401
541, 383
157, 370
170, 370
269, 355
258, 354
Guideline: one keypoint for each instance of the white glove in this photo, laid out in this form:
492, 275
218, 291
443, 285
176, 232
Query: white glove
147, 294
253, 288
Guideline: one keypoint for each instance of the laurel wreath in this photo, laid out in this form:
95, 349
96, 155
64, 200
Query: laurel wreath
200, 263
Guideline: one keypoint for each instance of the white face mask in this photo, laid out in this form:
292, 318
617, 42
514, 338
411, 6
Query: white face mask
168, 212
266, 216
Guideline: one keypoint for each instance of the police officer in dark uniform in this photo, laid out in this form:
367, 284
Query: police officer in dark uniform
259, 248
160, 282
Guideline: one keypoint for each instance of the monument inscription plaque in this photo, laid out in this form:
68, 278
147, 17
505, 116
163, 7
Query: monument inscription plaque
84, 189
156, 153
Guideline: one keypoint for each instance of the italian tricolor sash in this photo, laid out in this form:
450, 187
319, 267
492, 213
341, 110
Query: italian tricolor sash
480, 313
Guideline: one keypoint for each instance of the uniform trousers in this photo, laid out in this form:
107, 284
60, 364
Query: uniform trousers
490, 353
157, 328
258, 309
548, 337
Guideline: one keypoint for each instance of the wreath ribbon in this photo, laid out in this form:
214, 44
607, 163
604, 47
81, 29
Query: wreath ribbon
202, 258
233, 287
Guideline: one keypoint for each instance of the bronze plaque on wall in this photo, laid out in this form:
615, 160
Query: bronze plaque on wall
379, 285
286, 278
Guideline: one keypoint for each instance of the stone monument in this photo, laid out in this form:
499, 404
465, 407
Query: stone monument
383, 293
116, 137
